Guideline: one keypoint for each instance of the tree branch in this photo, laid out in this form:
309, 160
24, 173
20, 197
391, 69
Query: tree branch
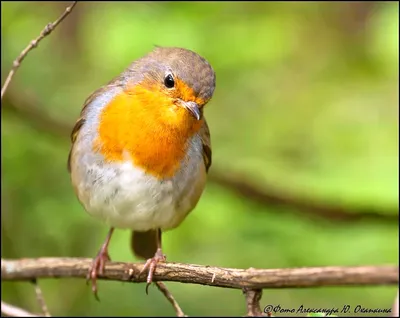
40, 299
269, 195
12, 311
162, 288
253, 297
34, 43
28, 269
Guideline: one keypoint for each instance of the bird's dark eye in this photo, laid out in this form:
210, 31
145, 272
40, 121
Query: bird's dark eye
169, 81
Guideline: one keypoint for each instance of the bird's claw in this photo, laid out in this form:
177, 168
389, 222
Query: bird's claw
151, 265
96, 269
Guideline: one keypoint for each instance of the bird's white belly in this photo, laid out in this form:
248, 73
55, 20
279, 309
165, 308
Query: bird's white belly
124, 196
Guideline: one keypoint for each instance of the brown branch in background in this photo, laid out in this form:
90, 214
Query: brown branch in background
253, 297
34, 43
28, 269
25, 108
269, 195
12, 311
40, 298
162, 288
351, 19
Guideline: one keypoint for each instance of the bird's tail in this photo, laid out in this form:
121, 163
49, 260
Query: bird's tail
144, 244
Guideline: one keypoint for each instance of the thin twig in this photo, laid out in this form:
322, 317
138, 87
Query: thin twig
395, 309
12, 311
178, 310
28, 269
34, 43
253, 297
40, 299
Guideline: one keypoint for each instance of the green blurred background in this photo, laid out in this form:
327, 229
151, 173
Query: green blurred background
306, 108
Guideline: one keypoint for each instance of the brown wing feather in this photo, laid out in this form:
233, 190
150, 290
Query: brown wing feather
206, 140
79, 123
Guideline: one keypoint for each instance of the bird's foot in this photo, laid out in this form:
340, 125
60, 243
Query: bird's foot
97, 268
151, 265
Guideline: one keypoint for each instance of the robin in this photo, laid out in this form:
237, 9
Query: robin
141, 150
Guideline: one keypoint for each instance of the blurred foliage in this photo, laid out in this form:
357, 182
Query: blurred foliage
306, 100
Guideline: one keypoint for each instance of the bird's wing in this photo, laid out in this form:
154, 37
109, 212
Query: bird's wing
82, 118
206, 141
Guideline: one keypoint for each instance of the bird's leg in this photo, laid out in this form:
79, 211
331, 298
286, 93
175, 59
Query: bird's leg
151, 263
99, 262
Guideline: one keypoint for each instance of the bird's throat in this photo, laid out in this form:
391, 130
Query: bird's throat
145, 127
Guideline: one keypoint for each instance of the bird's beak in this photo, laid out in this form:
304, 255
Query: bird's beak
193, 108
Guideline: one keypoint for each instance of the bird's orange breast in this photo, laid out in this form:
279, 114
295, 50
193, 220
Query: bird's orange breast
142, 124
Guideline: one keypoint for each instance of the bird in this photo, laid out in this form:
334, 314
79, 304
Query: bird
141, 151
